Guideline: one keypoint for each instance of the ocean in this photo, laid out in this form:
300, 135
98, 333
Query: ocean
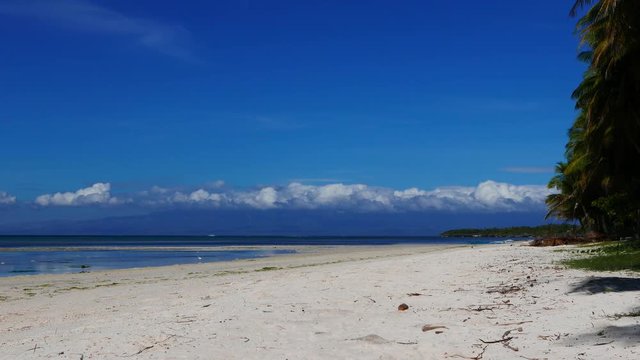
32, 255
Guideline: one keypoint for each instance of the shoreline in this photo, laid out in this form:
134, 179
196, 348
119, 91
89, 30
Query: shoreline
305, 256
341, 303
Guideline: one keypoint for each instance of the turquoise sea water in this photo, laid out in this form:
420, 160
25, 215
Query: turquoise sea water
30, 255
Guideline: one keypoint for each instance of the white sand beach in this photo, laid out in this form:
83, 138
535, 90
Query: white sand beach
482, 302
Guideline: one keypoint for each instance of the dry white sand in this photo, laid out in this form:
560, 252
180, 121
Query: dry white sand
493, 302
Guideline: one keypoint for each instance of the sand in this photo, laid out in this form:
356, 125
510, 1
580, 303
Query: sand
482, 302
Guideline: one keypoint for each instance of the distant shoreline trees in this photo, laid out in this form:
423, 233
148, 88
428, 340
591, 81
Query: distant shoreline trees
549, 230
599, 181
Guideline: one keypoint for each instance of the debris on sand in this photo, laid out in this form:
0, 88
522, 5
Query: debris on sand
429, 327
373, 339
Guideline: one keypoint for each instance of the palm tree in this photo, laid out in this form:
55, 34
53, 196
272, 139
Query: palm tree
601, 175
565, 204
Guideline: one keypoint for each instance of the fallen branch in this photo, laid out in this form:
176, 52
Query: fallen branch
151, 346
34, 348
479, 356
604, 343
496, 341
143, 349
515, 323
508, 346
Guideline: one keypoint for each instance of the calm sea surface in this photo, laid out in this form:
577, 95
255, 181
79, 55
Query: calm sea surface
24, 255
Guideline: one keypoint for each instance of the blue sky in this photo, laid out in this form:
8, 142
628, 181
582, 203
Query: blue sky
262, 94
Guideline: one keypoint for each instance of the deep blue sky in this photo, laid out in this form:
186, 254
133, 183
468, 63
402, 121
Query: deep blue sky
395, 94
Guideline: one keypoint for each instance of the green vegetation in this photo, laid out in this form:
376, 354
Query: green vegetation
517, 231
610, 257
599, 182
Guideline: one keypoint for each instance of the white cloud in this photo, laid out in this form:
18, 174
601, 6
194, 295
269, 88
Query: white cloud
158, 196
6, 199
507, 196
409, 193
86, 16
486, 196
264, 198
98, 193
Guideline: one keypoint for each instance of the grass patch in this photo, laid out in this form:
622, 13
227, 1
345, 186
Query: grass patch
611, 256
599, 244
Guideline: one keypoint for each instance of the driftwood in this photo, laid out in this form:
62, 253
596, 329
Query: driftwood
515, 323
496, 341
432, 327
604, 343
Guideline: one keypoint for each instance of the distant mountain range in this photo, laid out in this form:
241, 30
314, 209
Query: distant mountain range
274, 222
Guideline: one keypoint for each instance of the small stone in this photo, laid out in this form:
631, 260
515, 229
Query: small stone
403, 307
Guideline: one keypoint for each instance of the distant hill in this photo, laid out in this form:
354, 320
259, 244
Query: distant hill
516, 231
295, 222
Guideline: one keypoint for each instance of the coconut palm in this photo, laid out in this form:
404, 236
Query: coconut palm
602, 175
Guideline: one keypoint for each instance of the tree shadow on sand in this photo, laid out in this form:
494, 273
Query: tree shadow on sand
596, 285
621, 335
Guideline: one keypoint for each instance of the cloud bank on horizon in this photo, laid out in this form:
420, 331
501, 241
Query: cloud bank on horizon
98, 193
488, 196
